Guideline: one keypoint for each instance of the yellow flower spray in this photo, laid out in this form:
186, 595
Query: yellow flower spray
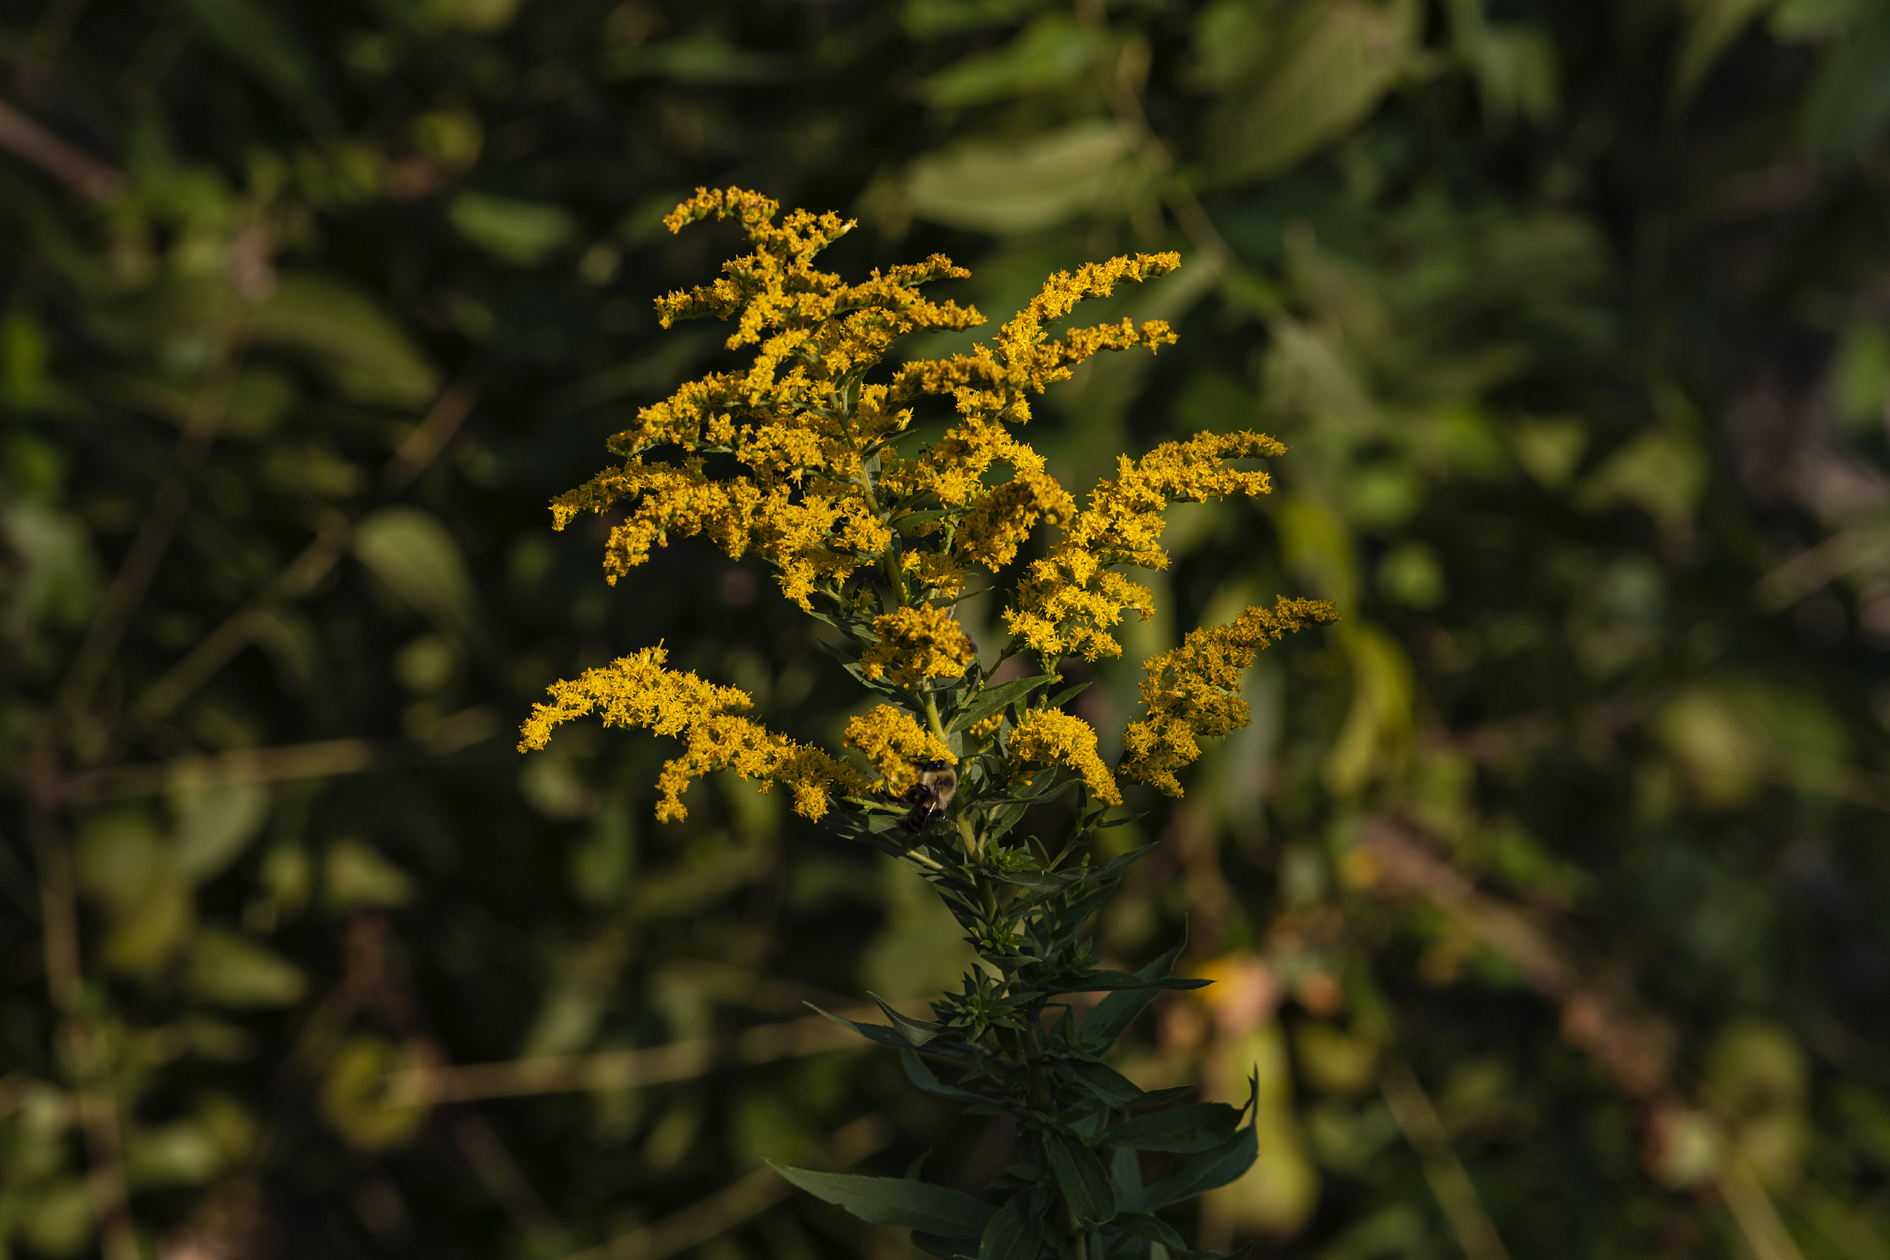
881, 542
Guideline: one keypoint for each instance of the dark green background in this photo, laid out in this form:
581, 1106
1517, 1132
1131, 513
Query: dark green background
1576, 316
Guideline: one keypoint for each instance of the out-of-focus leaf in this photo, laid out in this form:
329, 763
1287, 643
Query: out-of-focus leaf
59, 1220
1549, 449
214, 825
416, 556
524, 233
1514, 66
484, 16
1712, 26
369, 355
355, 875
933, 19
1663, 473
1379, 721
53, 579
177, 1154
1048, 53
250, 34
352, 1090
229, 970
1322, 75
997, 187
695, 59
1849, 101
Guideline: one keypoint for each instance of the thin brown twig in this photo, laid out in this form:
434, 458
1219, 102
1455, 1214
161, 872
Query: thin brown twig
622, 1069
81, 1055
301, 575
65, 162
154, 535
1456, 1194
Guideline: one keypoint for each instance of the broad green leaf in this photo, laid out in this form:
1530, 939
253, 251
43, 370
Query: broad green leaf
1086, 1187
1339, 60
370, 357
999, 187
1192, 1174
896, 1201
1016, 1232
417, 557
524, 233
991, 699
1183, 1130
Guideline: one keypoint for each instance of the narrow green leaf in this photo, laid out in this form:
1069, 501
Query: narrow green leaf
872, 1032
1109, 1085
1142, 1225
1108, 981
916, 1031
922, 1076
1194, 1174
991, 699
1115, 1013
1016, 1232
896, 1201
1184, 1130
1086, 1187
1126, 1170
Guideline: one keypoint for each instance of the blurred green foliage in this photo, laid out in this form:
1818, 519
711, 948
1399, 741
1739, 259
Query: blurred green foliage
1543, 896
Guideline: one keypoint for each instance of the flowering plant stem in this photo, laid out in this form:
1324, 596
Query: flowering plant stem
881, 544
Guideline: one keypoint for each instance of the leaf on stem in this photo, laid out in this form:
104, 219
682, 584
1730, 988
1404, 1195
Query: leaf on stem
896, 1201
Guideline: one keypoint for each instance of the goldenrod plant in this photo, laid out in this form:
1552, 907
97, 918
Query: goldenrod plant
805, 459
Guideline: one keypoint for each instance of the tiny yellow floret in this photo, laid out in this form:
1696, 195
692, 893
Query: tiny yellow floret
896, 745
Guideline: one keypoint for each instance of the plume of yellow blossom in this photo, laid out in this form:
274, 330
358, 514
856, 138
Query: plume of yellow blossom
917, 643
896, 745
638, 691
1071, 600
1193, 692
1051, 737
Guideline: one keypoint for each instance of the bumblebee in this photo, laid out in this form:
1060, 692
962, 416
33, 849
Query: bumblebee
931, 796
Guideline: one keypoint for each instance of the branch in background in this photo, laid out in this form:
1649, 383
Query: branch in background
301, 575
1397, 862
71, 166
1456, 1193
722, 1211
627, 1069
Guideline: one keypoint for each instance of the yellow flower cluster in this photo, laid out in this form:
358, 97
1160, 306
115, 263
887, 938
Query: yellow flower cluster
820, 493
1193, 692
1051, 737
896, 745
1070, 600
638, 691
799, 419
918, 643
